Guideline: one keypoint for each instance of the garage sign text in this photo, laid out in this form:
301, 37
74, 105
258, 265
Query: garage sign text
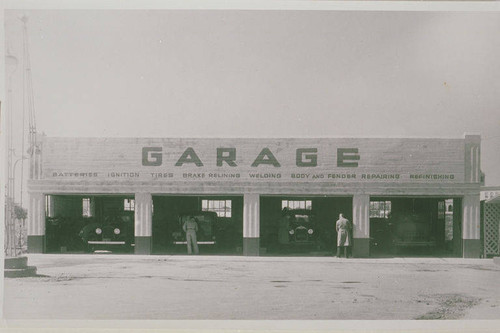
305, 157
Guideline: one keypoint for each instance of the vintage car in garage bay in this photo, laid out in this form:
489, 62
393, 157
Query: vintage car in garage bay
298, 227
115, 234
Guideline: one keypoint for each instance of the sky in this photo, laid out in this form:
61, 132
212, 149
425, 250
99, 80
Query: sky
230, 73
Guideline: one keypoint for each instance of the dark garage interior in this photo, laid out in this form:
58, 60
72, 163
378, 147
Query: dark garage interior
415, 226
72, 221
228, 228
324, 211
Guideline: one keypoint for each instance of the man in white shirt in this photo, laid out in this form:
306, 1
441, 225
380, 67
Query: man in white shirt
190, 227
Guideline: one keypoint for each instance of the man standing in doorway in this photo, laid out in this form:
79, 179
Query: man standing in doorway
190, 227
343, 227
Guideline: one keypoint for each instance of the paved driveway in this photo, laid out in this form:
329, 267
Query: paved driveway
255, 288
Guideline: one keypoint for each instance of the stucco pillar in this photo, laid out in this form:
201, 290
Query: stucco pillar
143, 220
471, 226
472, 159
251, 224
36, 223
471, 203
361, 225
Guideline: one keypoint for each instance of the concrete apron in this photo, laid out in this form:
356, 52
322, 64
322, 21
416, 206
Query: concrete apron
38, 258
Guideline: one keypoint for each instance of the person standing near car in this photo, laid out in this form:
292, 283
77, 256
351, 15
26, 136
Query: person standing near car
284, 227
190, 227
343, 227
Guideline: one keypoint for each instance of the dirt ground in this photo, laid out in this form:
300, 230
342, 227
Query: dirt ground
253, 288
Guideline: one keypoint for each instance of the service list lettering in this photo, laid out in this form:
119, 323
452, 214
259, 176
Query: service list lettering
225, 159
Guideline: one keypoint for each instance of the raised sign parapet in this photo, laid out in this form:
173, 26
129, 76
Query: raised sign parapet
341, 160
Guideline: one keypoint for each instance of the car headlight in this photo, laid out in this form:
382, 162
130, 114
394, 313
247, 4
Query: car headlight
310, 231
116, 231
98, 231
291, 232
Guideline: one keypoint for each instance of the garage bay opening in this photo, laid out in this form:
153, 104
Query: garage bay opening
415, 227
297, 226
89, 223
219, 220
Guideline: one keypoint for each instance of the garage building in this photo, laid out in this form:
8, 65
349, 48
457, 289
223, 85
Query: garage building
405, 196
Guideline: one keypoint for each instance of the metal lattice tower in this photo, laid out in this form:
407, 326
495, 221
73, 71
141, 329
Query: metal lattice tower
11, 65
28, 108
